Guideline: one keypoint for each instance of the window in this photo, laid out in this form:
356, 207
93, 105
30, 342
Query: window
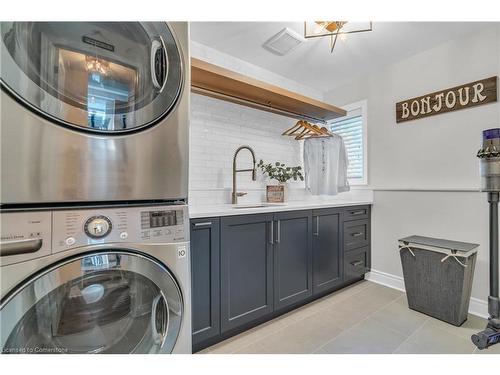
352, 128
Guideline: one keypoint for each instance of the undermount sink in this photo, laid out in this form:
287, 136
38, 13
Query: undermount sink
258, 205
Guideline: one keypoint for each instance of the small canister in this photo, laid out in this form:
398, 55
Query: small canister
489, 164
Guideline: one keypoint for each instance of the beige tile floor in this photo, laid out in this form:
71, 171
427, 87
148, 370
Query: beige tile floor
364, 318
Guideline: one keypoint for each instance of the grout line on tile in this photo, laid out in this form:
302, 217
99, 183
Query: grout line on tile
362, 286
412, 334
363, 320
257, 339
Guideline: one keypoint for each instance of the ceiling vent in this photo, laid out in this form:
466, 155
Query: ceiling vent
284, 41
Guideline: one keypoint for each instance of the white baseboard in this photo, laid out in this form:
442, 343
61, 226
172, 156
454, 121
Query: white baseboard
476, 307
386, 279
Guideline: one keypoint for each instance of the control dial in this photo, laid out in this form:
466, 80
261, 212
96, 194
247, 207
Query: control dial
97, 227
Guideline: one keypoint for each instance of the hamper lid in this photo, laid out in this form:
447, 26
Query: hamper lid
440, 243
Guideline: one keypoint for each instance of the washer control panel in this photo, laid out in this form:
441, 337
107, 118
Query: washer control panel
97, 226
158, 224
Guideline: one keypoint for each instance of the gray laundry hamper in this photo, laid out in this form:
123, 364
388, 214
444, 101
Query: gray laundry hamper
438, 276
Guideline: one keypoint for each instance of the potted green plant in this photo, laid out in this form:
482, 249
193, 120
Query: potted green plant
282, 174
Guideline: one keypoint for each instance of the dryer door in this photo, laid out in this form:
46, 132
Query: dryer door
105, 77
102, 302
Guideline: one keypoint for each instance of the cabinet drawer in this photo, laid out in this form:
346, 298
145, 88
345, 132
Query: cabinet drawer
356, 234
356, 213
356, 263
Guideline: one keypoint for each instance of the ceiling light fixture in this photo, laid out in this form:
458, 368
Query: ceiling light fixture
94, 65
334, 29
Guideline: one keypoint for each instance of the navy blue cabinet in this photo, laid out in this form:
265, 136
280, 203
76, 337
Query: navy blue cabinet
356, 242
293, 270
356, 263
205, 279
327, 250
246, 269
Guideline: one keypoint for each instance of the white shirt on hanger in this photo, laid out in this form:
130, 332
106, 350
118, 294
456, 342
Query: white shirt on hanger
325, 165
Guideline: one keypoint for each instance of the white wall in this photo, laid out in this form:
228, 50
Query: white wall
409, 163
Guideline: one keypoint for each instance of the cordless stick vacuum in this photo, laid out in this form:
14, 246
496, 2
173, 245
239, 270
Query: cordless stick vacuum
489, 156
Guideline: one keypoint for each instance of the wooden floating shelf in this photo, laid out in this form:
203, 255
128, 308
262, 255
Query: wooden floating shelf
217, 82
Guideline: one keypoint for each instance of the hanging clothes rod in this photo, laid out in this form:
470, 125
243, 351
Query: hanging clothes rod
249, 103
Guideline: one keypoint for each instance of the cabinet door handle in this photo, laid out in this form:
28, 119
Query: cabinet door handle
317, 227
279, 232
359, 212
357, 263
205, 224
357, 234
271, 232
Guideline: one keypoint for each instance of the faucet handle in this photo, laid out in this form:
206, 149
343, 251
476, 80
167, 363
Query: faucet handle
240, 194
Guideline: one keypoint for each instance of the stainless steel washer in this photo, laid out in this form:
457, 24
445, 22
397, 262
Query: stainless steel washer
106, 280
94, 111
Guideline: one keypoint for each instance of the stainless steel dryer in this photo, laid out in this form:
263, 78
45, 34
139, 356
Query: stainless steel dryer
94, 111
102, 280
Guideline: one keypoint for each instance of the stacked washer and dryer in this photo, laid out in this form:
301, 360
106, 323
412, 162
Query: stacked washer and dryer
94, 172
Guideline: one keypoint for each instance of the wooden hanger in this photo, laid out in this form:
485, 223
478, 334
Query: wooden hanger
303, 129
294, 128
314, 132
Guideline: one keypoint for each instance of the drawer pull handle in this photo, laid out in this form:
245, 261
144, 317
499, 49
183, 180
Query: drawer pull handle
357, 263
357, 234
271, 232
205, 224
359, 212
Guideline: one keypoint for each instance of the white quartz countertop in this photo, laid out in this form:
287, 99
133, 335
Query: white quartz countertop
199, 211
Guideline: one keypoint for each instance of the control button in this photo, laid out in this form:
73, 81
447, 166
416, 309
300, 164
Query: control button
70, 241
123, 235
97, 227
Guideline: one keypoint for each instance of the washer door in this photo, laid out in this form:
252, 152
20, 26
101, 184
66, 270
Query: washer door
103, 302
105, 77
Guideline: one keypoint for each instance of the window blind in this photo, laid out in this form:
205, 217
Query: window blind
351, 130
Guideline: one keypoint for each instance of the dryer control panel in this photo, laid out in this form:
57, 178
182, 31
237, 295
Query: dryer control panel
158, 224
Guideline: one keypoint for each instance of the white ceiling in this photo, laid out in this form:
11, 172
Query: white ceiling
312, 64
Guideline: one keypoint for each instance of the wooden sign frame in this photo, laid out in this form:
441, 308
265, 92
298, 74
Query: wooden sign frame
464, 96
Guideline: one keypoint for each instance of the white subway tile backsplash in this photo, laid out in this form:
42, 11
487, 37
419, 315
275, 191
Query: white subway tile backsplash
217, 129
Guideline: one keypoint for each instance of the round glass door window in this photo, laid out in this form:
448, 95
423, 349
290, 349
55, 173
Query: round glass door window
101, 303
105, 77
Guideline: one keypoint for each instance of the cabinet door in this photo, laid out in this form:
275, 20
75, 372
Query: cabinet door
246, 269
292, 257
205, 281
327, 250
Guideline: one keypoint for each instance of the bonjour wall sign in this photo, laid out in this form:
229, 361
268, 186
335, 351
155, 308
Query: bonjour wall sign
459, 97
